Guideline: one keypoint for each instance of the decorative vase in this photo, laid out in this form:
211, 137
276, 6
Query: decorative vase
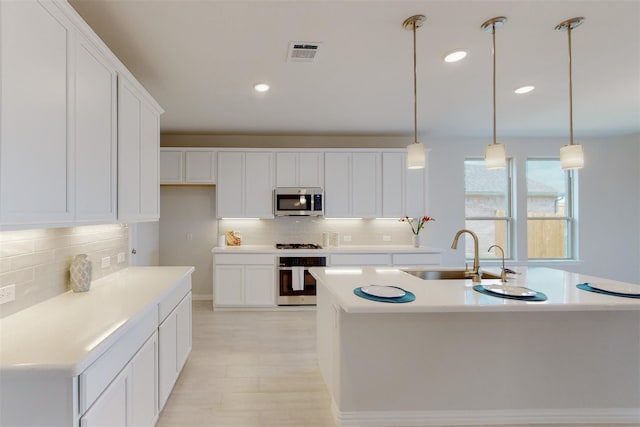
416, 240
80, 273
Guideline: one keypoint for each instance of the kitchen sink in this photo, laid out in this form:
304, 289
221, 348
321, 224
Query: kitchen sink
447, 274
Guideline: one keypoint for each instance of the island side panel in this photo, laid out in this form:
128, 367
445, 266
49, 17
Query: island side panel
489, 361
328, 342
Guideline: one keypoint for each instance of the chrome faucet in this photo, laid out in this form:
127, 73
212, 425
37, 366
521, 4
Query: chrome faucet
503, 274
475, 273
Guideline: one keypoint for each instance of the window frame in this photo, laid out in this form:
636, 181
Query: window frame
509, 218
569, 217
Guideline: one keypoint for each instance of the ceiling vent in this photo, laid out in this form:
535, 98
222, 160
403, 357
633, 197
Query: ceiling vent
303, 52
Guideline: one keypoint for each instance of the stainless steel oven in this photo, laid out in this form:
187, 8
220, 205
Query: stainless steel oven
296, 286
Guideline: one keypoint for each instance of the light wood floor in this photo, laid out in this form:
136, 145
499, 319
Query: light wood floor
252, 369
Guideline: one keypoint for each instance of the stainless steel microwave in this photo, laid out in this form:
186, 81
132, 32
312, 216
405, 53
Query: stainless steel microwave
293, 201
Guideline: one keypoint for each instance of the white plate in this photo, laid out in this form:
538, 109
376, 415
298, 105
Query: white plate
619, 288
514, 291
383, 291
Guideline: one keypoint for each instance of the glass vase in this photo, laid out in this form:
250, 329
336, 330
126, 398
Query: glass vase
416, 240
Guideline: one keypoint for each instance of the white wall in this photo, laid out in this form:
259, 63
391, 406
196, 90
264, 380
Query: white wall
188, 231
609, 199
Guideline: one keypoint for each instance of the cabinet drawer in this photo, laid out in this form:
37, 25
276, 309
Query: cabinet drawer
170, 302
95, 379
245, 259
416, 259
360, 259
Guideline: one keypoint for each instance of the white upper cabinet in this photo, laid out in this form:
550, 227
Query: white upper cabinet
245, 184
299, 169
59, 124
352, 184
95, 135
35, 185
187, 166
138, 156
403, 190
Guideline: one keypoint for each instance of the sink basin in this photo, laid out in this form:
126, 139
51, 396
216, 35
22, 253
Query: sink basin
447, 274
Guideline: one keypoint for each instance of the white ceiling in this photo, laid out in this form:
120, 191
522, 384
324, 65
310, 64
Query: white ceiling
201, 58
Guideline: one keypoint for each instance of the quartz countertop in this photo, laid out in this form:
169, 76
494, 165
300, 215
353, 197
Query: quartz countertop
459, 296
70, 331
327, 250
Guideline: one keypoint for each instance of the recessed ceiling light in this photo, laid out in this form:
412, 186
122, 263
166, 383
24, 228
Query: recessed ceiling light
455, 56
261, 87
524, 89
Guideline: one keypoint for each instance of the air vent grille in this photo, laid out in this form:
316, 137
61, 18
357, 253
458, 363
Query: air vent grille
303, 52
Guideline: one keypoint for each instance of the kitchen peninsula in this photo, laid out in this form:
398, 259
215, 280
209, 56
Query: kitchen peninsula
455, 356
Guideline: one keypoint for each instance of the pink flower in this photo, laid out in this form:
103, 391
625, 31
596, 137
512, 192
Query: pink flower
421, 222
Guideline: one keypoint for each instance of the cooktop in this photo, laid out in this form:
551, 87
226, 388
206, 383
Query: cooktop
297, 246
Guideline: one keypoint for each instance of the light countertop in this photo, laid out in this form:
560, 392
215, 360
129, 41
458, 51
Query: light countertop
372, 249
459, 296
70, 331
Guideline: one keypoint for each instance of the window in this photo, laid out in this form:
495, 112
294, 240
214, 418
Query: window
549, 210
487, 208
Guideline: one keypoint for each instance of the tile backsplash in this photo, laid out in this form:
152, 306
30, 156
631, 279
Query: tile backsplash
37, 261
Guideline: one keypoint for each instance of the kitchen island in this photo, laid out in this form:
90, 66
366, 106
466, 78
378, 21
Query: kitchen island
455, 356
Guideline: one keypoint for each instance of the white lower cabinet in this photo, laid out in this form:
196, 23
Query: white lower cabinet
244, 280
113, 407
174, 347
144, 384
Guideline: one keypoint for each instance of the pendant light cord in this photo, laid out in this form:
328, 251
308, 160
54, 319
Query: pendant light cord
493, 33
570, 89
415, 90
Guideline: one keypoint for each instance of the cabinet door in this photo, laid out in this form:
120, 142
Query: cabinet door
365, 175
259, 285
287, 170
228, 285
112, 407
393, 185
171, 170
95, 135
149, 161
229, 192
258, 185
337, 188
144, 384
35, 182
200, 167
128, 153
311, 169
138, 156
167, 357
416, 192
183, 330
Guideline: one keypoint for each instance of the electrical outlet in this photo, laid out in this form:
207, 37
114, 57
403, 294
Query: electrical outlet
347, 238
386, 238
7, 294
106, 262
189, 236
121, 257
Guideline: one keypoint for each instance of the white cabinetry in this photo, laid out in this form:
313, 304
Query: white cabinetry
175, 346
138, 156
352, 184
113, 406
245, 185
299, 169
403, 190
35, 186
244, 280
187, 166
95, 135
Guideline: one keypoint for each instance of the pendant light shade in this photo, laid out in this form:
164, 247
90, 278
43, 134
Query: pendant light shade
415, 151
571, 156
495, 156
415, 156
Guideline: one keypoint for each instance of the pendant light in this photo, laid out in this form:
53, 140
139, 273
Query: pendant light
415, 150
571, 156
494, 155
